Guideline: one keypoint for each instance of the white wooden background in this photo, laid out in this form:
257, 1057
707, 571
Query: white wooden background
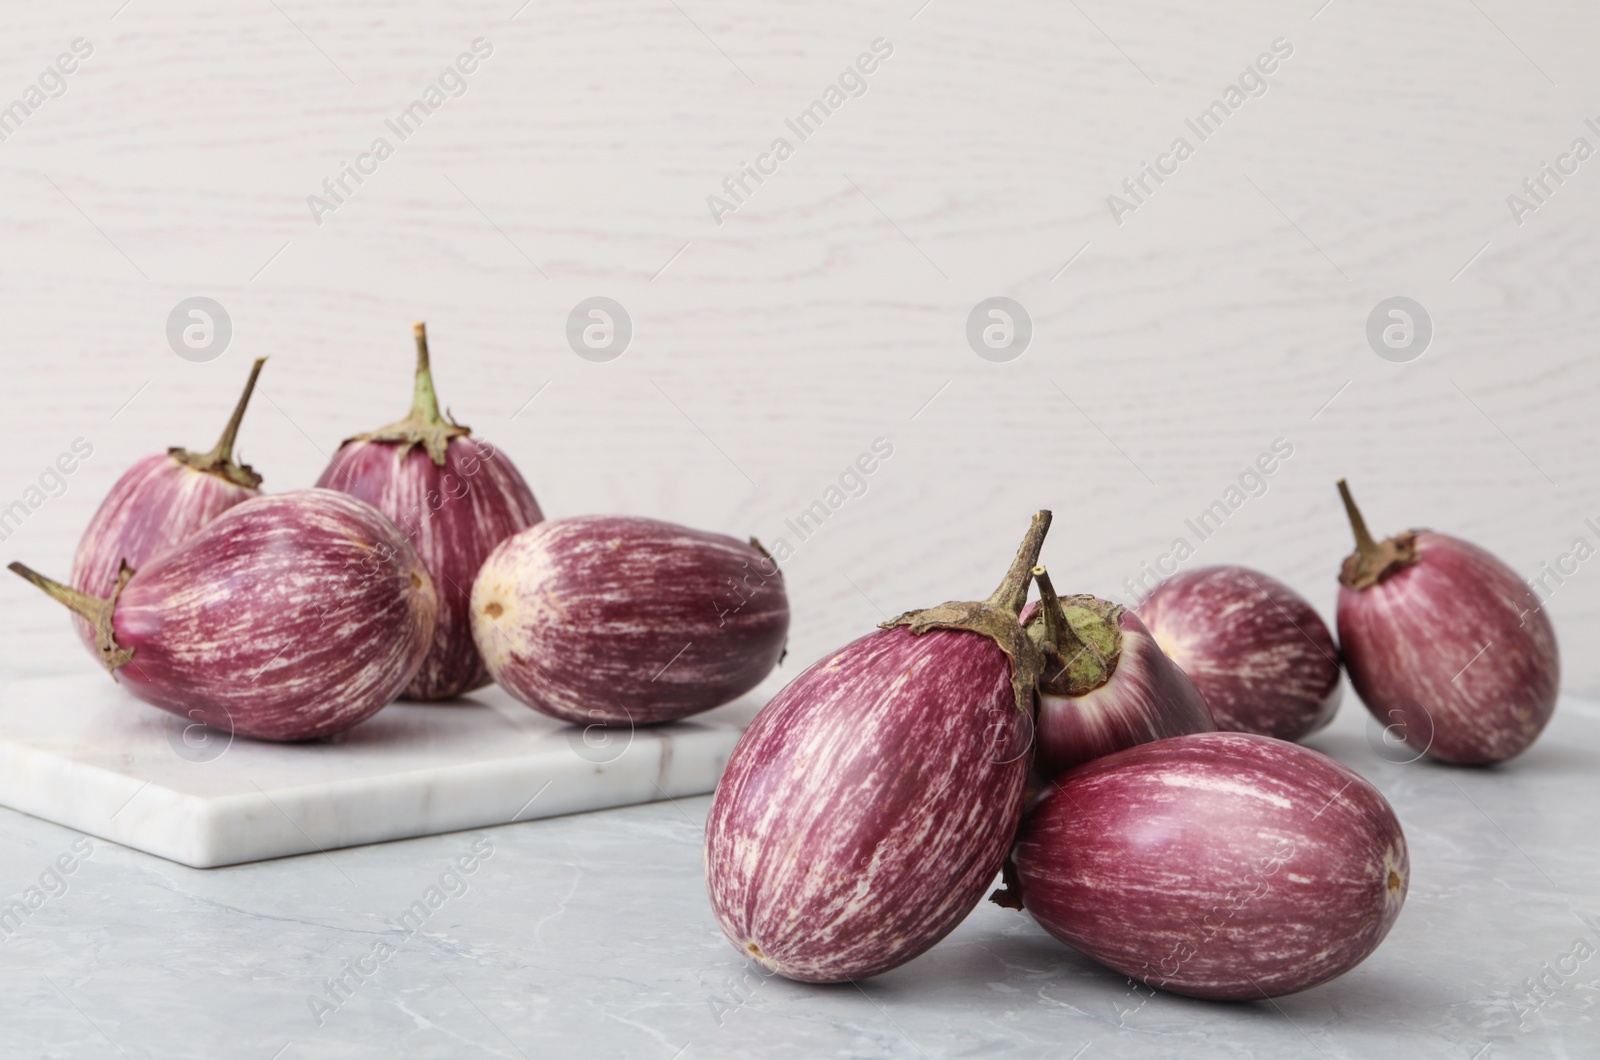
770, 350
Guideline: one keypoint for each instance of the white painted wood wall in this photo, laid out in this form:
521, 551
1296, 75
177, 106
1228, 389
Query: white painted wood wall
770, 350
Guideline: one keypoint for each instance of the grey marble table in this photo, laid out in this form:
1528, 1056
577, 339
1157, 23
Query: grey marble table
591, 935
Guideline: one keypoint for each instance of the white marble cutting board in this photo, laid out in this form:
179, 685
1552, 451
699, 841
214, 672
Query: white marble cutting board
83, 753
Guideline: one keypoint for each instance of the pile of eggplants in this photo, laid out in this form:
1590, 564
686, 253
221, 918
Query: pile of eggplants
1131, 775
297, 615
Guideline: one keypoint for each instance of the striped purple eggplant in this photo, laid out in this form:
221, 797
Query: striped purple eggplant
456, 498
612, 619
158, 502
1257, 649
1445, 645
1217, 865
869, 806
287, 617
1106, 684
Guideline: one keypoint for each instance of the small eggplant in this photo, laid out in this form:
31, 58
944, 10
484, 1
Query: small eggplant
1262, 658
611, 619
456, 498
869, 806
157, 503
288, 617
1445, 644
1217, 865
1106, 683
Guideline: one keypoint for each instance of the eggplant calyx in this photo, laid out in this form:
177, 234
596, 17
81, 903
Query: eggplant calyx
1009, 895
1080, 638
219, 461
996, 617
1373, 560
424, 425
97, 611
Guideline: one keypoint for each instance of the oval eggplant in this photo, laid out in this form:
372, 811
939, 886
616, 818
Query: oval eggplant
1217, 865
456, 498
158, 502
288, 617
1257, 649
1106, 684
613, 619
869, 806
1445, 644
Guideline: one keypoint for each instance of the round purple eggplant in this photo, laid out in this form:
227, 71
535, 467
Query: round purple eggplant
287, 617
1262, 658
869, 806
612, 619
1106, 683
1217, 865
1445, 644
158, 502
456, 498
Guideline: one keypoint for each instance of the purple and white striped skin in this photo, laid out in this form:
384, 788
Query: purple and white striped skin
1446, 646
864, 813
1107, 685
158, 502
1261, 656
1217, 865
454, 513
456, 498
613, 619
288, 617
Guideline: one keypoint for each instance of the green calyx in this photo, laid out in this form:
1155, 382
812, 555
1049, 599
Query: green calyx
997, 617
1373, 560
219, 461
1079, 637
423, 425
95, 610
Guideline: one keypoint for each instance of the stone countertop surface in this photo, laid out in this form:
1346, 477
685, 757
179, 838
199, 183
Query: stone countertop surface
593, 932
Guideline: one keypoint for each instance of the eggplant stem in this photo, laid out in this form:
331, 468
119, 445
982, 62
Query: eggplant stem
423, 425
424, 400
95, 610
1012, 593
77, 601
996, 617
1373, 560
1063, 638
219, 461
1365, 543
223, 453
